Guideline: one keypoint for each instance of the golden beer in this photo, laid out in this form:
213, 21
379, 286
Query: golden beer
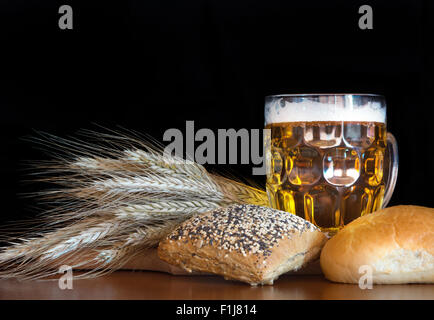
328, 172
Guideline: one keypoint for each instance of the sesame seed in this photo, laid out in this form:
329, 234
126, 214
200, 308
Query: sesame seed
244, 228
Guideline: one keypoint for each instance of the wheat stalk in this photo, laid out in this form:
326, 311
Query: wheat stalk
101, 246
111, 202
165, 209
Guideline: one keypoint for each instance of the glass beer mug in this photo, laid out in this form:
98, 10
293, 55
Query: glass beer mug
329, 158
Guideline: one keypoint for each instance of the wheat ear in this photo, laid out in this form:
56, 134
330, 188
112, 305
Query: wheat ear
111, 200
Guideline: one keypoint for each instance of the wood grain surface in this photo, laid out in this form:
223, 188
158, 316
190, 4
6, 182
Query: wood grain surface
161, 286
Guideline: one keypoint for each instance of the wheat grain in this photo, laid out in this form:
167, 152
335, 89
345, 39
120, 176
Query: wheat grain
112, 202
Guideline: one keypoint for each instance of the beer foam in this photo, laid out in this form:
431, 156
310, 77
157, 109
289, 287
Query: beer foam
278, 110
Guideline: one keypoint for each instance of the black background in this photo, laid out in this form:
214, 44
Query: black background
151, 65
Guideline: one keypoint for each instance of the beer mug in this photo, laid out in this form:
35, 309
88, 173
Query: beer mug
329, 158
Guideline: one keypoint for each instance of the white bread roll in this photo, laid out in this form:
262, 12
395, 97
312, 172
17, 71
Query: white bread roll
397, 242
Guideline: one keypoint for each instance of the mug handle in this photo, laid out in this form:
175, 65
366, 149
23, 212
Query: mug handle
392, 148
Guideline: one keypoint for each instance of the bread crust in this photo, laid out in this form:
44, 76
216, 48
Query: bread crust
397, 243
196, 251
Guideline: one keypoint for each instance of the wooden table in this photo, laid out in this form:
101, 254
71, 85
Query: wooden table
158, 285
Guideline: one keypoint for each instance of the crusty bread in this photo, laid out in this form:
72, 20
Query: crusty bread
397, 243
243, 242
148, 260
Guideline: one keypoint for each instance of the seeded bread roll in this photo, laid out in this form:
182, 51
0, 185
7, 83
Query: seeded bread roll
243, 242
396, 244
